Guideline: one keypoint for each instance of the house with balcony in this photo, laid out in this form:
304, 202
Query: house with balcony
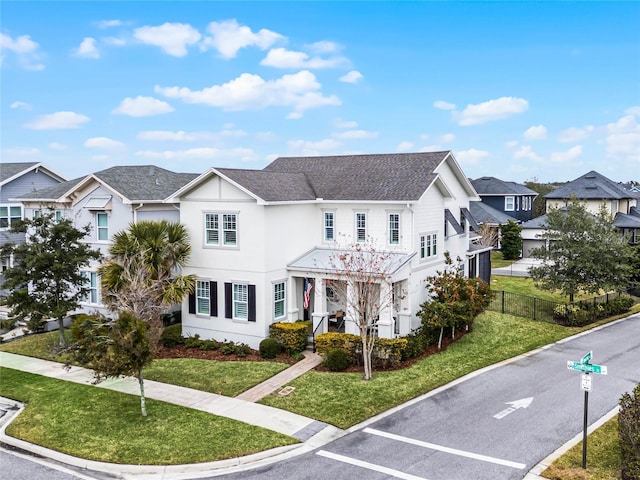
19, 179
263, 240
108, 201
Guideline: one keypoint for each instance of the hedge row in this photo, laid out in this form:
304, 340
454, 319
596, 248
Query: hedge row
580, 314
292, 337
387, 352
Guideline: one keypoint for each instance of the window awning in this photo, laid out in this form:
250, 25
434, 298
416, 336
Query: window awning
472, 221
98, 203
452, 221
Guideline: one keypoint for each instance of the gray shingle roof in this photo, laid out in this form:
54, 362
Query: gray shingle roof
484, 213
144, 182
495, 186
591, 185
53, 192
378, 177
272, 186
8, 170
628, 220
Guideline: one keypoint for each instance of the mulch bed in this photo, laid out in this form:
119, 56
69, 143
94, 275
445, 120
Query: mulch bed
181, 351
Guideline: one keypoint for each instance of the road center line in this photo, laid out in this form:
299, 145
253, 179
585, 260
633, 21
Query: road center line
369, 466
440, 448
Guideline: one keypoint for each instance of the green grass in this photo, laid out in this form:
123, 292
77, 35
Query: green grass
228, 378
104, 425
603, 457
344, 399
497, 261
525, 286
224, 378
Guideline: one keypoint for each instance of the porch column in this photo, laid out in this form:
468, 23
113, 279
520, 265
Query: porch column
385, 320
293, 312
319, 314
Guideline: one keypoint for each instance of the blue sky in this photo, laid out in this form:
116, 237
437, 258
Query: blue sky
517, 90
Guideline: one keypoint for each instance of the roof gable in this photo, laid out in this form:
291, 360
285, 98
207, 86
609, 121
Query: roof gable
10, 171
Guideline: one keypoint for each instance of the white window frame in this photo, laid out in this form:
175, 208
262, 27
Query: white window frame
329, 226
9, 218
279, 299
203, 297
92, 296
219, 228
428, 248
240, 301
394, 226
509, 203
102, 228
361, 226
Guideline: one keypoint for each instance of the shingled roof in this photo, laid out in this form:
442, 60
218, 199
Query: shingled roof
484, 213
487, 186
8, 170
591, 185
377, 177
271, 186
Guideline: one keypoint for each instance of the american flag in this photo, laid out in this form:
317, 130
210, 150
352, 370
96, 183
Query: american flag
307, 292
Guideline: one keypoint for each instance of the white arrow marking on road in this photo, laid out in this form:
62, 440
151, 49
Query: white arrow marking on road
522, 403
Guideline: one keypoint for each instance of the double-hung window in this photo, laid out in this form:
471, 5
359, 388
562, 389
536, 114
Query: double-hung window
203, 297
329, 227
279, 299
428, 245
10, 214
221, 229
241, 301
361, 227
394, 228
92, 288
102, 226
509, 204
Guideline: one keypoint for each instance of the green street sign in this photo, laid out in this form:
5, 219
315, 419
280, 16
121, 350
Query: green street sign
587, 357
587, 367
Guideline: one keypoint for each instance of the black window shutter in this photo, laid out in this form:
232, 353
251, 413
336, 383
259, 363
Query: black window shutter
192, 303
228, 300
213, 299
252, 303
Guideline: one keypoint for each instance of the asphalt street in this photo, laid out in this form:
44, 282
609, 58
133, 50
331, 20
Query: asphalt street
472, 430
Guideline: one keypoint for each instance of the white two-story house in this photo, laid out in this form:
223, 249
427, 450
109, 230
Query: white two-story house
260, 236
108, 201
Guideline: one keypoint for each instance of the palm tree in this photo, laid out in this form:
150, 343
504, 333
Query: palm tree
142, 273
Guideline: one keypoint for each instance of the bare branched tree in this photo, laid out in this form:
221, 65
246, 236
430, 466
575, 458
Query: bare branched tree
489, 235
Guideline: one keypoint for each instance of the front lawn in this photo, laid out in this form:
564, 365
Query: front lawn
525, 286
344, 399
103, 425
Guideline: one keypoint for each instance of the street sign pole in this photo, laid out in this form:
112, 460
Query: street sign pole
584, 429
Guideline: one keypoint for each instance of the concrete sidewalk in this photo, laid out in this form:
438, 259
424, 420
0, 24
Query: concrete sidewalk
519, 268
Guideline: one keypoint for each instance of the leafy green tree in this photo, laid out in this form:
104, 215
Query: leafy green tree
585, 253
46, 280
539, 205
141, 275
113, 348
511, 241
455, 300
629, 433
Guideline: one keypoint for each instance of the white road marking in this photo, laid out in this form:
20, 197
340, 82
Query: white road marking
369, 466
440, 448
515, 405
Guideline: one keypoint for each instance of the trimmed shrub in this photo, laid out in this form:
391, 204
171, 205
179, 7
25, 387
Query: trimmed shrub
172, 336
208, 345
337, 360
192, 341
387, 352
291, 336
242, 349
269, 348
629, 432
228, 348
619, 305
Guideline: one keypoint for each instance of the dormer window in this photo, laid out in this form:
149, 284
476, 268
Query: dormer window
509, 203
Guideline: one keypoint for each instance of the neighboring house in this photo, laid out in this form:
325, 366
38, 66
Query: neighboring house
510, 198
261, 238
18, 179
109, 201
595, 191
531, 232
490, 217
629, 224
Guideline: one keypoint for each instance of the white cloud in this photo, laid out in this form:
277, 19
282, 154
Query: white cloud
491, 110
180, 136
471, 156
310, 148
114, 41
511, 144
248, 91
425, 136
340, 123
173, 38
538, 132
283, 58
109, 23
21, 105
21, 152
351, 77
635, 111
324, 46
525, 151
58, 121
571, 154
25, 50
442, 105
142, 107
447, 138
88, 49
104, 143
57, 146
404, 147
623, 140
206, 153
573, 134
355, 135
228, 37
